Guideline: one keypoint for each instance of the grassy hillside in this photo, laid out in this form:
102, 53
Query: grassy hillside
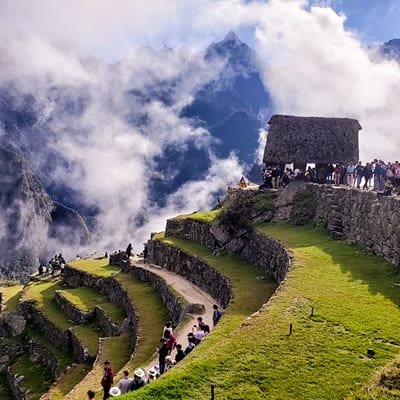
355, 299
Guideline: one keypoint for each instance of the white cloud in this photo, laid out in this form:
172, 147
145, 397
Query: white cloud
313, 67
331, 76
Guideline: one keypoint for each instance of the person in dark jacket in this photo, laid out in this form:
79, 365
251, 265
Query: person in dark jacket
108, 379
162, 353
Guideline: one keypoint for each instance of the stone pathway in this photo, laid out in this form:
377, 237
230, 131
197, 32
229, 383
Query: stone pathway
191, 293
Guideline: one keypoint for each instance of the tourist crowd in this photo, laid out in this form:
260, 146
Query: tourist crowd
57, 263
378, 175
169, 352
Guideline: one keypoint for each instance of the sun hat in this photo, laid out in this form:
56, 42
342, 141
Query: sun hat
115, 391
152, 372
139, 373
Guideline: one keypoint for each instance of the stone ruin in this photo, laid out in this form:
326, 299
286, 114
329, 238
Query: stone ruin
302, 140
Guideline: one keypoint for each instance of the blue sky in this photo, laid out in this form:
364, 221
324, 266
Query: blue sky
374, 20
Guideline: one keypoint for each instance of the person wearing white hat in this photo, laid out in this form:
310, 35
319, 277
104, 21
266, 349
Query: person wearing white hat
152, 373
115, 391
138, 380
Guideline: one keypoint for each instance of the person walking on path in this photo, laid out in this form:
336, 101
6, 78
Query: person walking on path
217, 314
162, 353
108, 379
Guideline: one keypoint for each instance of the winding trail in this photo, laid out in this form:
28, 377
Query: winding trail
191, 293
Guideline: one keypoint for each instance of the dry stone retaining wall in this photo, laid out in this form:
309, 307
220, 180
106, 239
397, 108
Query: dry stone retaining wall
116, 294
265, 252
176, 305
39, 353
363, 218
59, 338
192, 268
73, 312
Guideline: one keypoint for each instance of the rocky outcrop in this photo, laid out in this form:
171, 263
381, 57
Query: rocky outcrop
192, 268
40, 353
16, 385
25, 217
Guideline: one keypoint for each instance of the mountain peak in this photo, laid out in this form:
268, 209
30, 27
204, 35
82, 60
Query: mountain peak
393, 42
232, 37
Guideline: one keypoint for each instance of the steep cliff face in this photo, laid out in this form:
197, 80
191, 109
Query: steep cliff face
31, 224
25, 214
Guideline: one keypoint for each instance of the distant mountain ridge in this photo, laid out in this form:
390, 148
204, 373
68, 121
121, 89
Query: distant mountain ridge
232, 106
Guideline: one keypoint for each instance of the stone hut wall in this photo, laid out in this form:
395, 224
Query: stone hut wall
311, 139
192, 268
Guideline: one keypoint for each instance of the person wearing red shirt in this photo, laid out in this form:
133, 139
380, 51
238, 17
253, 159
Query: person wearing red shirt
108, 379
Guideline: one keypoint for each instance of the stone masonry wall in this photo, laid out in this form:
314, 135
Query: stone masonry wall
176, 305
110, 286
73, 312
364, 219
16, 385
190, 229
192, 268
267, 253
60, 339
40, 353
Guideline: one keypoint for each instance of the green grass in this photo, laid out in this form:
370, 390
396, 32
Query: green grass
209, 216
100, 267
152, 315
42, 293
36, 377
5, 391
355, 298
64, 358
191, 378
11, 295
85, 299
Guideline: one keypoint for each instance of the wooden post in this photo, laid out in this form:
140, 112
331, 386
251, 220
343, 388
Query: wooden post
290, 329
212, 392
312, 311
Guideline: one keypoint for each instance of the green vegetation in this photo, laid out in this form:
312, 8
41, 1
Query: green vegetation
243, 207
208, 216
85, 299
355, 301
42, 293
152, 315
38, 380
99, 267
5, 391
11, 295
191, 378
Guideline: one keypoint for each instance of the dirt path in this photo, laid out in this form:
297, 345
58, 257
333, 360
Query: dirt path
191, 293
